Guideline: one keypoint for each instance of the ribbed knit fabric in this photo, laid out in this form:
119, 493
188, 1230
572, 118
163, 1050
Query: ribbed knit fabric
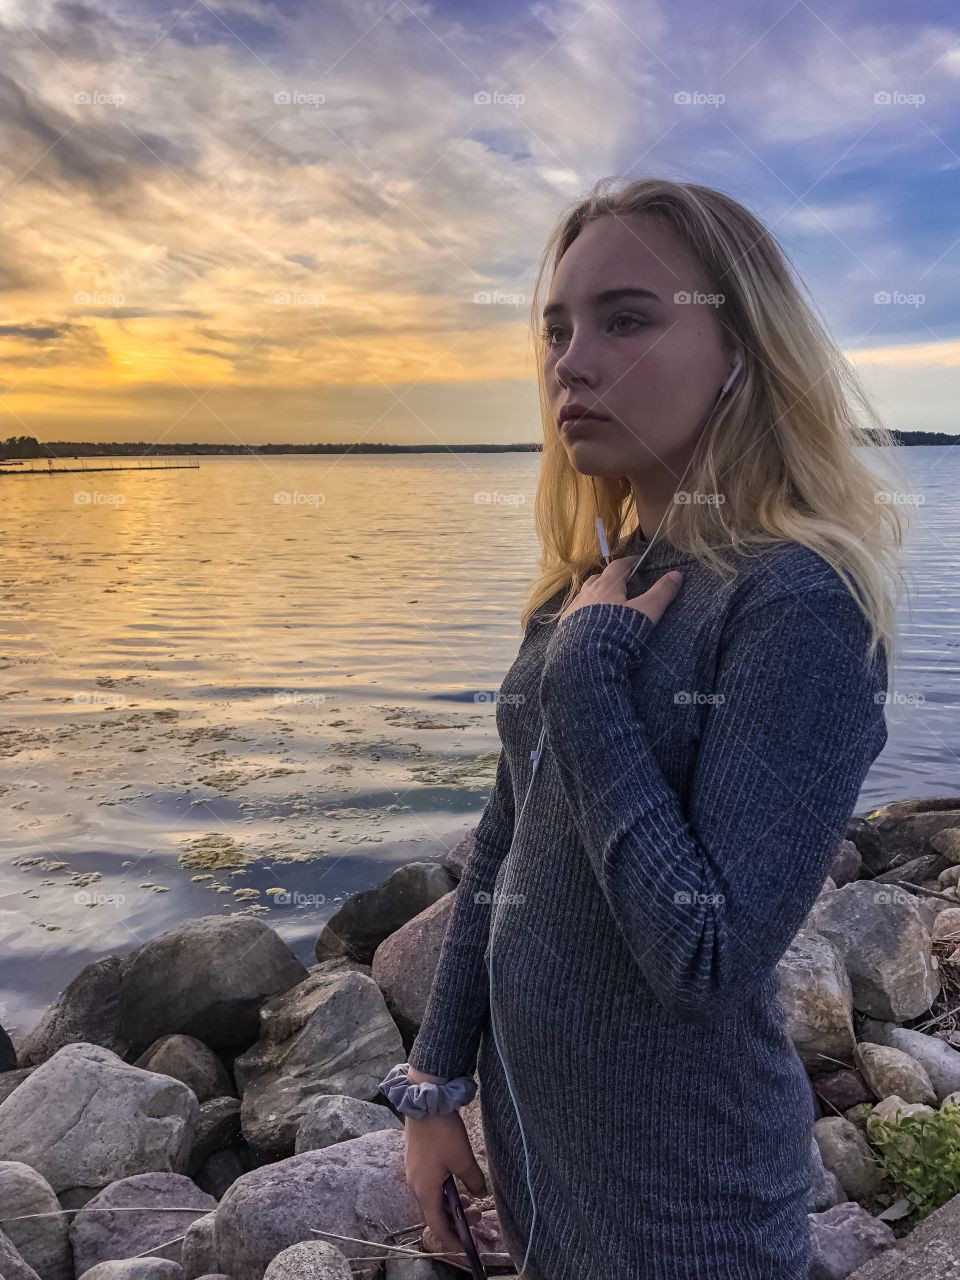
697, 777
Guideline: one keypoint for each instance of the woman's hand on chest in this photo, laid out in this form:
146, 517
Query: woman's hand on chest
609, 587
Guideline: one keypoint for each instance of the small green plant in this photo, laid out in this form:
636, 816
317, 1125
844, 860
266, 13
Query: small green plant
921, 1155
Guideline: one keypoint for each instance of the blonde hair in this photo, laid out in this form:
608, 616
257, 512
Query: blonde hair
783, 445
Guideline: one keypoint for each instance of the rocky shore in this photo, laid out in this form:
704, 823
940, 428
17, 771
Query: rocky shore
208, 1106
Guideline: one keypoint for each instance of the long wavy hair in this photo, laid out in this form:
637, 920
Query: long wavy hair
784, 447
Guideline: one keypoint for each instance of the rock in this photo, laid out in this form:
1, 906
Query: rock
191, 1061
366, 918
218, 1126
950, 878
885, 947
330, 1034
85, 1119
208, 979
893, 835
843, 1239
846, 864
9, 1080
354, 1188
41, 1241
951, 1100
135, 1269
334, 1117
941, 1063
892, 1110
927, 867
931, 1251
87, 1011
404, 965
309, 1260
859, 1115
457, 856
843, 1089
8, 1054
946, 927
12, 1264
891, 1071
946, 843
198, 1256
846, 1153
825, 1189
101, 1236
817, 998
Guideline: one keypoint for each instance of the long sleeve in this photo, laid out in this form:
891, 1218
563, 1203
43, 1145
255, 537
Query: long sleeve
708, 900
448, 1040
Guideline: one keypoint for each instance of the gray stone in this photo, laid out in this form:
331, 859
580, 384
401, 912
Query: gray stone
330, 1034
209, 979
846, 864
404, 965
134, 1269
42, 1241
354, 1188
885, 947
106, 1228
946, 927
816, 996
87, 1011
889, 1071
938, 1059
930, 1252
10, 1080
334, 1117
309, 1260
218, 1126
366, 918
222, 1168
12, 1264
843, 1238
894, 834
85, 1119
825, 1189
191, 1061
847, 1154
198, 1256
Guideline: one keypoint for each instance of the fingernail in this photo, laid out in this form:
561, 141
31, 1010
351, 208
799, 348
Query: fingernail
676, 575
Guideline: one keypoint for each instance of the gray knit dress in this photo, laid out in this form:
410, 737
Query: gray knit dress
696, 779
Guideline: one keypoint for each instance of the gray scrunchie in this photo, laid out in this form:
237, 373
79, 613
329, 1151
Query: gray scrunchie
422, 1099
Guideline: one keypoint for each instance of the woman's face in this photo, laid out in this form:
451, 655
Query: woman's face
651, 359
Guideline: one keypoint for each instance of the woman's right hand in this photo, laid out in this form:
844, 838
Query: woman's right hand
435, 1146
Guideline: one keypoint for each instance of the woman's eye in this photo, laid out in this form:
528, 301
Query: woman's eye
548, 333
623, 315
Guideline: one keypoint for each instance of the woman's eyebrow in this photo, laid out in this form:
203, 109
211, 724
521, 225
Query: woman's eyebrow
608, 295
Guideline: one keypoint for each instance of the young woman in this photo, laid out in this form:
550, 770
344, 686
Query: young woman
702, 746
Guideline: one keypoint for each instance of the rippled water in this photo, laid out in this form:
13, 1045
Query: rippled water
260, 685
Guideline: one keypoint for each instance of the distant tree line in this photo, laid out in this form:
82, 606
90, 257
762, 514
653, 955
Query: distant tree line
30, 447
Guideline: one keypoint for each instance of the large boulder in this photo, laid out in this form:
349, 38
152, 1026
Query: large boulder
885, 947
931, 1251
33, 1221
135, 1269
207, 979
9, 1080
85, 1119
889, 1071
188, 1059
134, 1216
846, 1153
198, 1256
309, 1260
8, 1054
366, 918
404, 965
13, 1266
900, 831
87, 1011
330, 1034
355, 1188
817, 998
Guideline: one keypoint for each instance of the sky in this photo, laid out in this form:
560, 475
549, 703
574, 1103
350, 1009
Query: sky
247, 222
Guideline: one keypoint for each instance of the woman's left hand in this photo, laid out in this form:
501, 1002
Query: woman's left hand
609, 587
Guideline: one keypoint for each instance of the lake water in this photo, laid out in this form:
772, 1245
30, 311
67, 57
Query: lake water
261, 685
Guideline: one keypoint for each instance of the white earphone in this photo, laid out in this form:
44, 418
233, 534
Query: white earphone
738, 365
